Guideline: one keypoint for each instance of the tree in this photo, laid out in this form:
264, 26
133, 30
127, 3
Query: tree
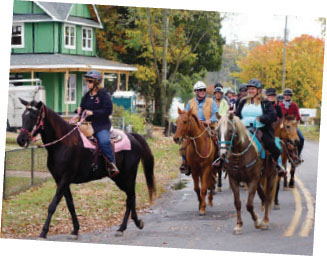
304, 67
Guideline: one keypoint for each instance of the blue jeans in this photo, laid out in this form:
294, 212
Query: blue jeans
300, 146
103, 138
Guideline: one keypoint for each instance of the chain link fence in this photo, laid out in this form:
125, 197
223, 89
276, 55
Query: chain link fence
24, 168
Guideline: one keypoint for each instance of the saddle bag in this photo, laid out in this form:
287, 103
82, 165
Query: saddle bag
87, 129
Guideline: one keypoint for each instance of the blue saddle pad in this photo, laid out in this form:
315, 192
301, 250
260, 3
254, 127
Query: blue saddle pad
260, 148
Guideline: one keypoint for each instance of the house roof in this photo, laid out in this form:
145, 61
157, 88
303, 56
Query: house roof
58, 12
54, 62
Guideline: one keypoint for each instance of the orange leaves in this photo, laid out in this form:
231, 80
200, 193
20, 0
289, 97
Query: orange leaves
304, 67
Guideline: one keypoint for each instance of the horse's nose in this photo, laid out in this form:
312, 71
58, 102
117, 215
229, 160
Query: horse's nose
177, 140
22, 140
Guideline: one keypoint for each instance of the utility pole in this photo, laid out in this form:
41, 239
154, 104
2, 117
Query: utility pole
284, 55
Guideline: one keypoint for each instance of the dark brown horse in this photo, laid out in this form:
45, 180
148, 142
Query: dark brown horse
200, 153
243, 163
69, 162
286, 129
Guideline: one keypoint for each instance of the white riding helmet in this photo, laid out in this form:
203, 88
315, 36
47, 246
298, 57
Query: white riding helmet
199, 85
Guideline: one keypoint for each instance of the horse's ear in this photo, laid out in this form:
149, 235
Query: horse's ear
39, 104
231, 115
190, 112
24, 102
180, 111
218, 115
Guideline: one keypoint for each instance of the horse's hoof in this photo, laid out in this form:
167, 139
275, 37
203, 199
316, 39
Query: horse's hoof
285, 188
41, 238
219, 189
237, 231
264, 225
202, 213
257, 224
119, 233
291, 186
73, 237
141, 224
276, 207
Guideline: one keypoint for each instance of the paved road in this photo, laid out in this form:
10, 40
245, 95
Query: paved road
174, 222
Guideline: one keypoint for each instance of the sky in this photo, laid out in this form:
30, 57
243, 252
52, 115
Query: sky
249, 27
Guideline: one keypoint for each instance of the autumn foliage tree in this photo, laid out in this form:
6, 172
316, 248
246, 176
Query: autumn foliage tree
304, 68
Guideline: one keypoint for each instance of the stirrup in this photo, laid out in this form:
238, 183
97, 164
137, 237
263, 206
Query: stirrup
112, 169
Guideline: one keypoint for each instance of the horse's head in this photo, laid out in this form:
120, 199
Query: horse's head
226, 133
183, 124
32, 121
288, 130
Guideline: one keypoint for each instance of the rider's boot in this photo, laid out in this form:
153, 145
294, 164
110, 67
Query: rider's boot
111, 168
280, 168
184, 169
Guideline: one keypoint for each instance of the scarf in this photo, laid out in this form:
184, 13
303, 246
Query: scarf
287, 104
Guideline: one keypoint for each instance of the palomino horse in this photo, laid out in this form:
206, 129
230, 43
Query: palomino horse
244, 163
200, 153
286, 129
69, 162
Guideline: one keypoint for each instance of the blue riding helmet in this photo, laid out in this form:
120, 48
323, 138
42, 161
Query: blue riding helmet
255, 83
288, 92
243, 88
94, 74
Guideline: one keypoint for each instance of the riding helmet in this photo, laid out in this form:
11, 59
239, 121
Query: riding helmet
255, 83
242, 88
218, 85
288, 92
199, 85
94, 74
219, 89
271, 92
280, 97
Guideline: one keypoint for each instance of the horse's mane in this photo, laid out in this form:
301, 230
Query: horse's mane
240, 127
197, 120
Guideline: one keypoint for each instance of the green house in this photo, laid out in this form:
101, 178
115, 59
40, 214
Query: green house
56, 43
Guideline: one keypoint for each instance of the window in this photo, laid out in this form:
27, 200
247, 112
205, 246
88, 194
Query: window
72, 89
17, 36
87, 39
70, 36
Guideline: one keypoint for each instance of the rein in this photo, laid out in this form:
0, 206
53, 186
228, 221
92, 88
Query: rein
195, 146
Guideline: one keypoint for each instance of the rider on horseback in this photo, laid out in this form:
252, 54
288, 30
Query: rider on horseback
222, 104
206, 109
257, 112
271, 96
290, 107
98, 106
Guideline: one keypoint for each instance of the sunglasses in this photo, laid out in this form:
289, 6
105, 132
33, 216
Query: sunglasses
201, 90
89, 81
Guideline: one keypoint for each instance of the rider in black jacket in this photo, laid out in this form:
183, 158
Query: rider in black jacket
256, 111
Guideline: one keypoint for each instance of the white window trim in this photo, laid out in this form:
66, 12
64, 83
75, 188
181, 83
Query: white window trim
22, 32
69, 101
86, 48
69, 46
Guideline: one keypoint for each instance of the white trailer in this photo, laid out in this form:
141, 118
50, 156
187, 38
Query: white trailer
33, 91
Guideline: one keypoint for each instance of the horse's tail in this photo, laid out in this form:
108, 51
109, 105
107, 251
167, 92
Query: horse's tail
273, 179
148, 164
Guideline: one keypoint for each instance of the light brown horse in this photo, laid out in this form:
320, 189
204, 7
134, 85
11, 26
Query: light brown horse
199, 154
286, 129
243, 163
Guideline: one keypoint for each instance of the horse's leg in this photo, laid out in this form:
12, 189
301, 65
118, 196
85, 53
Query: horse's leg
219, 180
292, 172
195, 177
138, 222
276, 206
204, 187
123, 225
211, 184
252, 187
61, 189
284, 161
271, 180
71, 208
237, 203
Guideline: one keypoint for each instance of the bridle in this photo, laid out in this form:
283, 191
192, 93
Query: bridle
39, 123
193, 139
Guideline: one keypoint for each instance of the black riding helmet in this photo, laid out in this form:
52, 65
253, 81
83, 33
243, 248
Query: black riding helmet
271, 92
218, 85
243, 88
288, 92
280, 97
94, 74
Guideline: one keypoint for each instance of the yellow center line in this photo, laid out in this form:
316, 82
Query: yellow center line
308, 223
297, 214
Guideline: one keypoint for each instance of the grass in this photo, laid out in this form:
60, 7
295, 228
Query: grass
312, 133
98, 204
